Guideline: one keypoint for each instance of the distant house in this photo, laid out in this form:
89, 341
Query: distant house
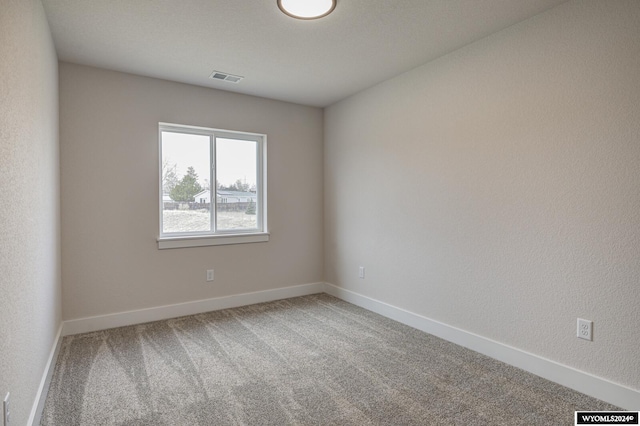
225, 197
202, 197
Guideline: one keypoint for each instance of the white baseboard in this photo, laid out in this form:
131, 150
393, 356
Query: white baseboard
120, 319
586, 383
43, 389
581, 381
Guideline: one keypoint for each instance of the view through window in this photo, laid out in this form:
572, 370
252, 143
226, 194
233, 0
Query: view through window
211, 181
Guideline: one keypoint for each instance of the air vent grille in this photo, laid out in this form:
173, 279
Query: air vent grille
223, 76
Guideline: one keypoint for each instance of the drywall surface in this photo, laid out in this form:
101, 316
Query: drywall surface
30, 213
496, 189
109, 176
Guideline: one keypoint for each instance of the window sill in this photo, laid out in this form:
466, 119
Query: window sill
210, 240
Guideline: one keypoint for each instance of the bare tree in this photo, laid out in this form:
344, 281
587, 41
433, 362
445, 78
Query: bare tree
169, 176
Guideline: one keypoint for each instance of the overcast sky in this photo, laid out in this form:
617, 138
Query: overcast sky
236, 158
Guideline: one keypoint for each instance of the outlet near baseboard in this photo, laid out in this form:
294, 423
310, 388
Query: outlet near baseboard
585, 328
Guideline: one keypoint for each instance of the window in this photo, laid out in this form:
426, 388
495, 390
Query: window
212, 187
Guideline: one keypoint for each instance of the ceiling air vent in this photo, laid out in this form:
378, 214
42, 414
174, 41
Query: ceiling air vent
223, 76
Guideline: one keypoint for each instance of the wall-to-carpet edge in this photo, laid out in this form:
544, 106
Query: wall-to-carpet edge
567, 376
307, 360
583, 382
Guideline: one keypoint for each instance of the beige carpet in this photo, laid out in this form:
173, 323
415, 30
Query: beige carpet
312, 360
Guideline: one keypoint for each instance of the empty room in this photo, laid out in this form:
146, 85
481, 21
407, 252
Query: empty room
340, 212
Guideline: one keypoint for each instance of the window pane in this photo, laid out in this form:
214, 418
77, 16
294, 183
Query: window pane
236, 171
186, 199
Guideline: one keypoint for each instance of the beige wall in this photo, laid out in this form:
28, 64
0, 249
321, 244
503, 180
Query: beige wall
497, 189
30, 214
109, 180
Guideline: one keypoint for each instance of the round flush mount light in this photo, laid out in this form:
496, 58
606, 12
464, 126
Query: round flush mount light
307, 9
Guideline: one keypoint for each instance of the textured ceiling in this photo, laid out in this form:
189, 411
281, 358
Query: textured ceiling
363, 42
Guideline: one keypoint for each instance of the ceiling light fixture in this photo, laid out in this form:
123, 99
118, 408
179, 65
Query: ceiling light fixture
307, 9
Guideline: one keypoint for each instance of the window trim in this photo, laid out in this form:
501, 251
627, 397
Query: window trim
217, 237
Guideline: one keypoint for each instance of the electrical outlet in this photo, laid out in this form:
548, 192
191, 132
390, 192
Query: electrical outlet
209, 274
361, 273
5, 410
585, 329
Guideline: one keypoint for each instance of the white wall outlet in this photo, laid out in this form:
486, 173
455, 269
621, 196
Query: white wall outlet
361, 273
209, 274
5, 410
584, 329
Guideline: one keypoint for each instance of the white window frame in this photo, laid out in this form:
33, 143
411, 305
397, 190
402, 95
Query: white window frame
216, 237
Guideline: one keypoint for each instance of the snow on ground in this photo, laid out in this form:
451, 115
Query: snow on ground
198, 220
